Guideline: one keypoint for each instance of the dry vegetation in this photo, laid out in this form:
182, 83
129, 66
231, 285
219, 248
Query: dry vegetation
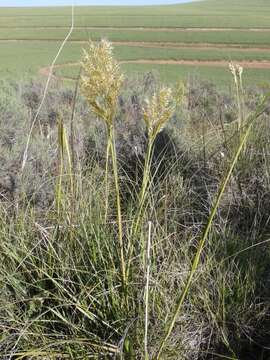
144, 236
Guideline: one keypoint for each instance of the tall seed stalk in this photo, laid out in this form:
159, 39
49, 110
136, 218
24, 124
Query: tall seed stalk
237, 72
101, 82
156, 113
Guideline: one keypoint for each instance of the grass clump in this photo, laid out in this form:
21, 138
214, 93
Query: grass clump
172, 261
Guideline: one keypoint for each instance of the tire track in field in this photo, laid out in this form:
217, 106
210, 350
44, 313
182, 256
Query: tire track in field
45, 71
159, 45
220, 63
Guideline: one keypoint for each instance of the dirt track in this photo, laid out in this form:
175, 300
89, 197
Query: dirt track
221, 63
165, 45
45, 71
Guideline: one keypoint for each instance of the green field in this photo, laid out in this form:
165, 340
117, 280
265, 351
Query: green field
208, 13
219, 37
208, 30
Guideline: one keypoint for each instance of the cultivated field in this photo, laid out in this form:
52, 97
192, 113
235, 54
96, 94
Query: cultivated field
176, 40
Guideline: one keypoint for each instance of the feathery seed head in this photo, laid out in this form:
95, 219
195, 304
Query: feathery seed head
232, 68
158, 111
236, 71
240, 70
101, 80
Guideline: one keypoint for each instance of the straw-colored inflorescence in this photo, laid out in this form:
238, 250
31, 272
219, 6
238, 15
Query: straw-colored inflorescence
237, 72
101, 80
158, 110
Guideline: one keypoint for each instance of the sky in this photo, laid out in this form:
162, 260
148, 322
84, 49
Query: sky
86, 2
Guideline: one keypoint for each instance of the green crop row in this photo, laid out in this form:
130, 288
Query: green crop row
225, 37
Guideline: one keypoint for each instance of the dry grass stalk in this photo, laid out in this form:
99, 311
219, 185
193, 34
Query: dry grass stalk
237, 72
101, 82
